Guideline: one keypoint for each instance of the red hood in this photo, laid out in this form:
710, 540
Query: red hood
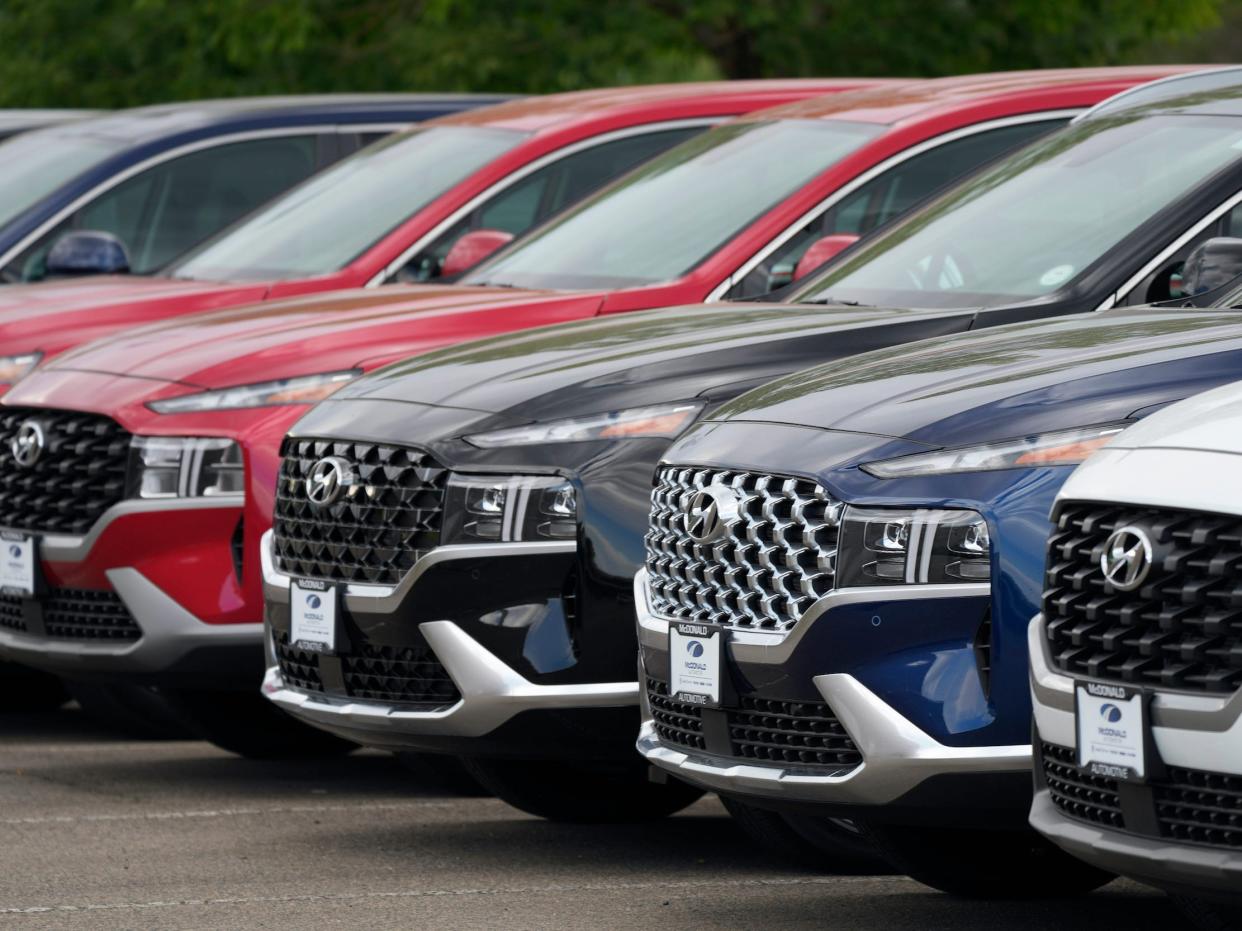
58, 315
319, 333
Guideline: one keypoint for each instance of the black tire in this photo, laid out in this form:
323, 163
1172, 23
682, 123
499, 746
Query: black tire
582, 793
827, 845
1210, 916
26, 689
249, 725
444, 773
982, 864
133, 710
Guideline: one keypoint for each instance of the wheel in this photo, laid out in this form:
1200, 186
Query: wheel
438, 771
831, 845
1210, 916
982, 864
249, 725
26, 689
134, 710
582, 793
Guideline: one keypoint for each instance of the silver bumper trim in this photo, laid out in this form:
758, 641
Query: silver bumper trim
169, 632
491, 693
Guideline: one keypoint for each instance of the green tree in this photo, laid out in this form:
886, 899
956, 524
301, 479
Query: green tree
126, 52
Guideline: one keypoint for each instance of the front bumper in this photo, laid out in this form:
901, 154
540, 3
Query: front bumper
489, 692
1198, 739
899, 758
128, 555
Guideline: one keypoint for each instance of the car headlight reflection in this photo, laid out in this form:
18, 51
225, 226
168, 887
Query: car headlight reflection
482, 509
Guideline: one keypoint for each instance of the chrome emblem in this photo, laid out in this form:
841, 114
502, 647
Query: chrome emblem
28, 444
710, 512
328, 480
1127, 558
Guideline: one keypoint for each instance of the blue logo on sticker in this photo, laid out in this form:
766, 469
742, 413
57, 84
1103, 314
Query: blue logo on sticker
313, 602
694, 648
15, 551
1110, 713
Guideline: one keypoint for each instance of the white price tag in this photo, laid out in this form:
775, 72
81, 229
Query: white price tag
694, 663
1111, 730
312, 615
17, 563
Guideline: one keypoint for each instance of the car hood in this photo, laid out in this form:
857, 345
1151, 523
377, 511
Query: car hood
609, 363
299, 336
1010, 381
1208, 422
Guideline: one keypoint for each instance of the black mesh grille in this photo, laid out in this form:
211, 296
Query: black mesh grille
1200, 807
675, 722
398, 674
78, 476
75, 614
804, 733
1181, 629
298, 668
12, 617
383, 522
1078, 793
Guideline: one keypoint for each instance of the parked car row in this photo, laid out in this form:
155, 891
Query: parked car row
818, 509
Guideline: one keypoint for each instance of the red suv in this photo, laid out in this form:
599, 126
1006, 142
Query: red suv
157, 450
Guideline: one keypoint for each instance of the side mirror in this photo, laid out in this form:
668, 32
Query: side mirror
472, 249
821, 251
87, 252
1210, 265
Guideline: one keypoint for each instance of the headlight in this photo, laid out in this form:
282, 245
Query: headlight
14, 368
662, 420
1063, 447
479, 509
185, 467
306, 389
890, 546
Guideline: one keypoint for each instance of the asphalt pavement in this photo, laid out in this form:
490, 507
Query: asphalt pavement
100, 831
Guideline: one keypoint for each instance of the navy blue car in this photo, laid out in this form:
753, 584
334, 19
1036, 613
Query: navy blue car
903, 497
163, 179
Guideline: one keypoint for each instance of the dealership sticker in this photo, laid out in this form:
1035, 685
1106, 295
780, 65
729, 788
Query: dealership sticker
694, 663
1111, 731
312, 615
17, 563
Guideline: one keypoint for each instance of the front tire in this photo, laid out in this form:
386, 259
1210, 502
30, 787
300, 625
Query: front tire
134, 710
249, 725
444, 773
827, 845
26, 689
582, 793
982, 864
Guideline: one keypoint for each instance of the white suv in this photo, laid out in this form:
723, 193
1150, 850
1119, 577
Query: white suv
1136, 659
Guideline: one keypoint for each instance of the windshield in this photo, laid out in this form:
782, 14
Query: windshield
326, 223
1031, 225
669, 216
36, 164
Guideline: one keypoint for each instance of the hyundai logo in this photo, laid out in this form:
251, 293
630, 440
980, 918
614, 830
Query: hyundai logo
1126, 560
1110, 713
313, 602
711, 511
694, 648
328, 479
15, 551
28, 443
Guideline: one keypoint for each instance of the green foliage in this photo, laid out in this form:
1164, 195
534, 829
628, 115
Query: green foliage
125, 52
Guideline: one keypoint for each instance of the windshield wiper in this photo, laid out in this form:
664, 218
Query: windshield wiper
835, 300
492, 284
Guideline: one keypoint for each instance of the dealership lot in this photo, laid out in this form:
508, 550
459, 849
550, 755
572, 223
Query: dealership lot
97, 831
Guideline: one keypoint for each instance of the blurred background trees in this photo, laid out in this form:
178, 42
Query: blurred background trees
111, 53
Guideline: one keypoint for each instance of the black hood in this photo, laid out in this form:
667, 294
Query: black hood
1009, 381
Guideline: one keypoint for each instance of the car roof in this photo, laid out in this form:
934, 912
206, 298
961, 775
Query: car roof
554, 112
912, 100
1211, 92
15, 119
146, 124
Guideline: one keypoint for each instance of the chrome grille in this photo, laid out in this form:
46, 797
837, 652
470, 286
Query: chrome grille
80, 474
377, 530
776, 559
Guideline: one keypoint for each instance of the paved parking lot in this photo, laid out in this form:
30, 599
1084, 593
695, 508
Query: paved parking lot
98, 831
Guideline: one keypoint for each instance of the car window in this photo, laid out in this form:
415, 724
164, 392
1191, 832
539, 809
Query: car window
887, 196
39, 162
171, 207
544, 193
1164, 283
